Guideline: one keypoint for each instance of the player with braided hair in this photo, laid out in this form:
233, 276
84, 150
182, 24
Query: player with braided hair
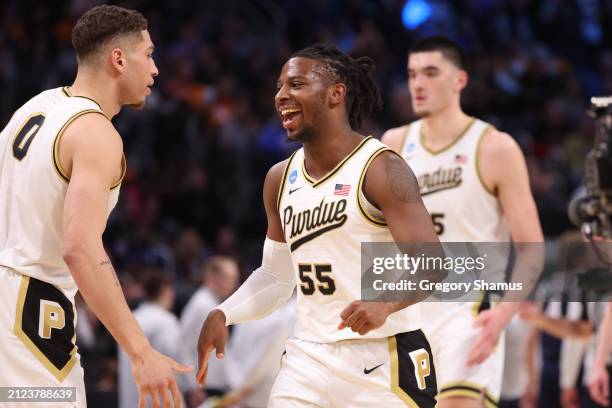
338, 190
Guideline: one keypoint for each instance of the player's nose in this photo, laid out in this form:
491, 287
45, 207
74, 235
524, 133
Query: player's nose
155, 71
281, 95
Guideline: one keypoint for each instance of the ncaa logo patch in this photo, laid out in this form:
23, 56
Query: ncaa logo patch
293, 176
410, 147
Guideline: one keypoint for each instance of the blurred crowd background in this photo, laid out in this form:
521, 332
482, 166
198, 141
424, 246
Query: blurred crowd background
199, 151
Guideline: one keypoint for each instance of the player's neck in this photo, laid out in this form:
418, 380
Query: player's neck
97, 88
440, 129
328, 148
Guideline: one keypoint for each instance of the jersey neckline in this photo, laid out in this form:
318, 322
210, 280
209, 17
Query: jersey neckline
316, 183
69, 94
448, 146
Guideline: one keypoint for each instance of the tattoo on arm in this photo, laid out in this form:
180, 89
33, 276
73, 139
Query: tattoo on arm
401, 180
106, 262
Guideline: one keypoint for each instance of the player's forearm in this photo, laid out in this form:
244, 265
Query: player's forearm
257, 297
397, 306
99, 286
527, 269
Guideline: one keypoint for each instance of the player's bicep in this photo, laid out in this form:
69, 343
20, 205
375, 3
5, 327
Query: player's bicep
506, 161
94, 164
391, 185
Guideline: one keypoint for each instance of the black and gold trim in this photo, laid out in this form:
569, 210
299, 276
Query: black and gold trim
483, 304
281, 188
403, 380
362, 208
54, 345
123, 171
470, 390
477, 161
56, 142
448, 146
66, 91
317, 183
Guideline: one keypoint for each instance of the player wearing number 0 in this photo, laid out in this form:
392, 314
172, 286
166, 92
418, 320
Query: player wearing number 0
339, 190
474, 183
61, 165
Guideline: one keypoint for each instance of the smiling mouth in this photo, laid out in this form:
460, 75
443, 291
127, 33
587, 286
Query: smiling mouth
289, 116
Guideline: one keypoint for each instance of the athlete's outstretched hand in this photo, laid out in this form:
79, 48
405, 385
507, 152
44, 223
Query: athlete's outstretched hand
212, 336
363, 317
154, 375
492, 322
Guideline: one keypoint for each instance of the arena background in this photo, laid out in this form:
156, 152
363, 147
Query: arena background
199, 151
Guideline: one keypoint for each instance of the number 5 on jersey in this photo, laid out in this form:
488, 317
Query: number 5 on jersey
322, 273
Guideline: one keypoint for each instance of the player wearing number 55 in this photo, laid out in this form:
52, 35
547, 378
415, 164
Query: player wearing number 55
339, 190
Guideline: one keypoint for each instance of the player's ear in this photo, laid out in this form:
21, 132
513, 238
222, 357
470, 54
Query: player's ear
462, 80
337, 93
117, 59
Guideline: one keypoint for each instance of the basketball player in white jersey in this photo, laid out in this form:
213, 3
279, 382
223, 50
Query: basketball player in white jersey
475, 185
339, 190
61, 165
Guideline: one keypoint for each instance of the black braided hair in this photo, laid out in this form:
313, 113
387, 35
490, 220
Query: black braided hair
362, 95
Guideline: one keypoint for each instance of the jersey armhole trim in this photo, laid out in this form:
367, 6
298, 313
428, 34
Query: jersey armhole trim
281, 188
477, 161
404, 139
56, 140
362, 210
123, 171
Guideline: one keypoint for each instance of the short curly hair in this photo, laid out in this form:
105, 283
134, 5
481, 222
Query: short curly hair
101, 24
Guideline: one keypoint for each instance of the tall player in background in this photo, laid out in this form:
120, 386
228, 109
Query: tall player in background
474, 183
339, 190
61, 165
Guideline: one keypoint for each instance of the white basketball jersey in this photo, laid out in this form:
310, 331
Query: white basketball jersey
33, 186
462, 209
324, 224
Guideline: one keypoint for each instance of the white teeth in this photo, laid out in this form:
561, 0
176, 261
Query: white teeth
288, 111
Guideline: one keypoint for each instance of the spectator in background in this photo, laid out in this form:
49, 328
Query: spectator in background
159, 325
221, 277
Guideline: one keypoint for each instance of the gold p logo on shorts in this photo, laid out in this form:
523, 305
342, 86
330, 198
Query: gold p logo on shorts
52, 316
422, 368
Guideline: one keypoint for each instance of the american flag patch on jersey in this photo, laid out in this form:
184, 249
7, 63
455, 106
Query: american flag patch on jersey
460, 158
342, 189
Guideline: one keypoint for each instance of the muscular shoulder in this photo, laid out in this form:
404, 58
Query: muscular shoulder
390, 176
272, 183
498, 155
90, 136
394, 137
496, 143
